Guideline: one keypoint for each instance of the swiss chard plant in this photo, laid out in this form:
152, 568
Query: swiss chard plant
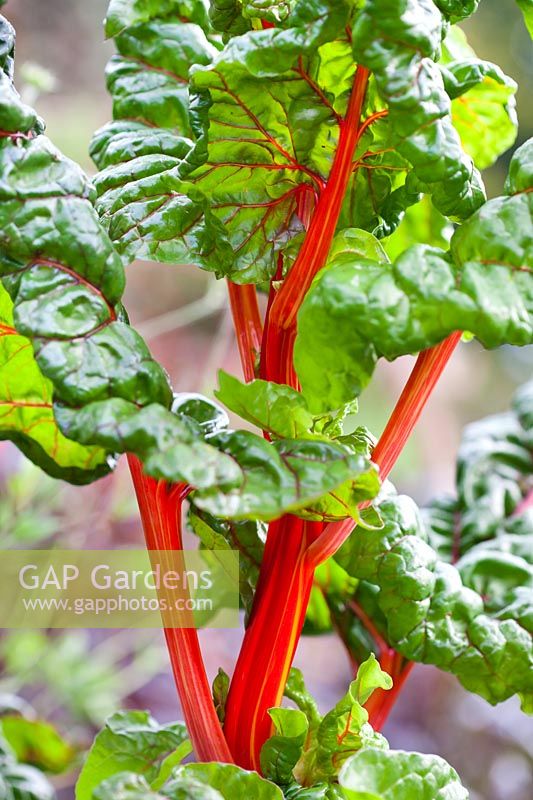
325, 153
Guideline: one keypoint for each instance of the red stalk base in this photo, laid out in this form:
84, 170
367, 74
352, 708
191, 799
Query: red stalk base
160, 506
270, 642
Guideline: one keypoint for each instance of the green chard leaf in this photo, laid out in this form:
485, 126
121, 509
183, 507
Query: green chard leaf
227, 202
131, 741
396, 775
227, 780
66, 281
226, 17
359, 310
123, 14
321, 480
399, 42
311, 748
26, 410
433, 616
283, 412
483, 108
282, 751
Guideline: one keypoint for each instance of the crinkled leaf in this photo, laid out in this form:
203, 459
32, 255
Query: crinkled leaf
26, 413
123, 14
232, 214
66, 281
399, 42
230, 781
226, 17
319, 479
15, 116
310, 23
397, 775
359, 310
432, 616
131, 741
483, 108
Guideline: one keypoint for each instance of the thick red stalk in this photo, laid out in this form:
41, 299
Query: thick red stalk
248, 326
160, 507
423, 379
271, 638
281, 330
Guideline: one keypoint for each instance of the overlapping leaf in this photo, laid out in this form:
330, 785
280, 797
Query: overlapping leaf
431, 614
123, 14
310, 748
483, 103
321, 480
132, 741
26, 410
359, 309
400, 42
397, 775
66, 281
235, 212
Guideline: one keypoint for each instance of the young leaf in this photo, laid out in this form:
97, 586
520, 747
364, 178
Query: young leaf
281, 410
131, 741
483, 285
220, 692
396, 775
330, 740
399, 42
281, 753
345, 729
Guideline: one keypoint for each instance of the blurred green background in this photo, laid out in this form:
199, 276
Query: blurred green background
79, 679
